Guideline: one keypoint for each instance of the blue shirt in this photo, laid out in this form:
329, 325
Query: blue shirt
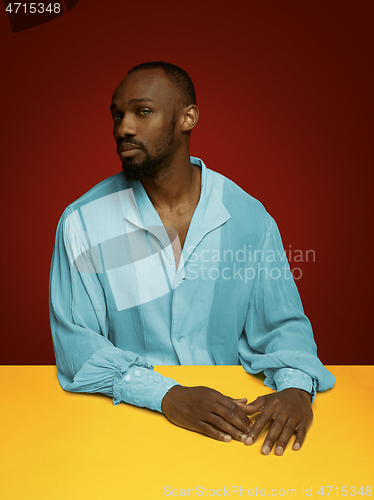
118, 305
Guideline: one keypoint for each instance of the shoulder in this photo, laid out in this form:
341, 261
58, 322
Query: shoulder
104, 188
241, 205
108, 186
72, 222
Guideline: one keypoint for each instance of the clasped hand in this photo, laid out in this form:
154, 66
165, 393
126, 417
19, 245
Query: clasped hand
209, 412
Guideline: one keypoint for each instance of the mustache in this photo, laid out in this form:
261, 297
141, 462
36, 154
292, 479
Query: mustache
122, 140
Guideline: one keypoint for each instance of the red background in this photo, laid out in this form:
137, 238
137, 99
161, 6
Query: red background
285, 92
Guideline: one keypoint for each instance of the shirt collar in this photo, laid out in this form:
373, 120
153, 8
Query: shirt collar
209, 214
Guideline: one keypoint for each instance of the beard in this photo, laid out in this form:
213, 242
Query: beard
136, 170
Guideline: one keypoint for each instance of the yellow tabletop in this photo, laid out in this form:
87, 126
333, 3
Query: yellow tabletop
57, 445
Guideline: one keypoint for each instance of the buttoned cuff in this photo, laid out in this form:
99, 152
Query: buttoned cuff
143, 387
286, 378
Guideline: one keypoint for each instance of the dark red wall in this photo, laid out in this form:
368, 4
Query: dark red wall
285, 93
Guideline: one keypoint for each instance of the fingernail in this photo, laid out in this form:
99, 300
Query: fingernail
265, 450
243, 437
249, 441
227, 438
296, 446
279, 450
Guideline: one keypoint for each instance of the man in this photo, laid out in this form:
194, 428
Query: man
160, 265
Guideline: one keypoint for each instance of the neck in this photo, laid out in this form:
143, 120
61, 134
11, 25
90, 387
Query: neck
176, 184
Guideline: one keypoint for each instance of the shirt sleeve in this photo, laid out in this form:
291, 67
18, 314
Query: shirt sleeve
86, 360
285, 378
278, 336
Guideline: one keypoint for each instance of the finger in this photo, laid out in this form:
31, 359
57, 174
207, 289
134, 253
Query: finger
221, 423
209, 430
300, 437
254, 407
242, 401
233, 407
233, 414
244, 408
262, 419
274, 432
285, 436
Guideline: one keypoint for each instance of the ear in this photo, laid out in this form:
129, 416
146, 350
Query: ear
190, 117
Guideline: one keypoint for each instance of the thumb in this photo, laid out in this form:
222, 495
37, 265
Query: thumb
242, 401
253, 407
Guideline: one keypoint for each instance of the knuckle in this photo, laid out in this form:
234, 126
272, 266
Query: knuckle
203, 426
254, 432
278, 424
289, 427
220, 421
233, 406
301, 433
209, 406
269, 441
206, 429
218, 434
230, 414
263, 418
238, 435
245, 428
273, 399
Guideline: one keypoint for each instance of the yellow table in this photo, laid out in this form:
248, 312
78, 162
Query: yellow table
57, 445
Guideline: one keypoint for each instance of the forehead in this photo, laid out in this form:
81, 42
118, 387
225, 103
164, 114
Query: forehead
152, 84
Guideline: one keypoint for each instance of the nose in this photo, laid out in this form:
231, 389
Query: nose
126, 127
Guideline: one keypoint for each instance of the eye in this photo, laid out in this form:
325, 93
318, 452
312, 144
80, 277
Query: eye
117, 118
144, 112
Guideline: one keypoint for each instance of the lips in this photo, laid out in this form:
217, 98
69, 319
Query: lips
126, 150
127, 147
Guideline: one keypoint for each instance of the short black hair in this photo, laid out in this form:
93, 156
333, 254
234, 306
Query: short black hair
176, 75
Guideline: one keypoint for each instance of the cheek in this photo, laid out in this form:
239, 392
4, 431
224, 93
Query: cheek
154, 141
154, 136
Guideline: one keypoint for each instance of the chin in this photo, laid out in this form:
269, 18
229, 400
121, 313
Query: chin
130, 175
136, 172
133, 173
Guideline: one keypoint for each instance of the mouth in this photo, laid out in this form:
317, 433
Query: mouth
129, 152
126, 150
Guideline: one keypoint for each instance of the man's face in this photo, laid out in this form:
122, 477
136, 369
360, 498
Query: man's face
144, 109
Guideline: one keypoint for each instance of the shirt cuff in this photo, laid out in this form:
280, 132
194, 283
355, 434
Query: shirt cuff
143, 387
286, 378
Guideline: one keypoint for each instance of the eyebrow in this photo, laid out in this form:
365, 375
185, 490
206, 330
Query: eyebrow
133, 101
142, 99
